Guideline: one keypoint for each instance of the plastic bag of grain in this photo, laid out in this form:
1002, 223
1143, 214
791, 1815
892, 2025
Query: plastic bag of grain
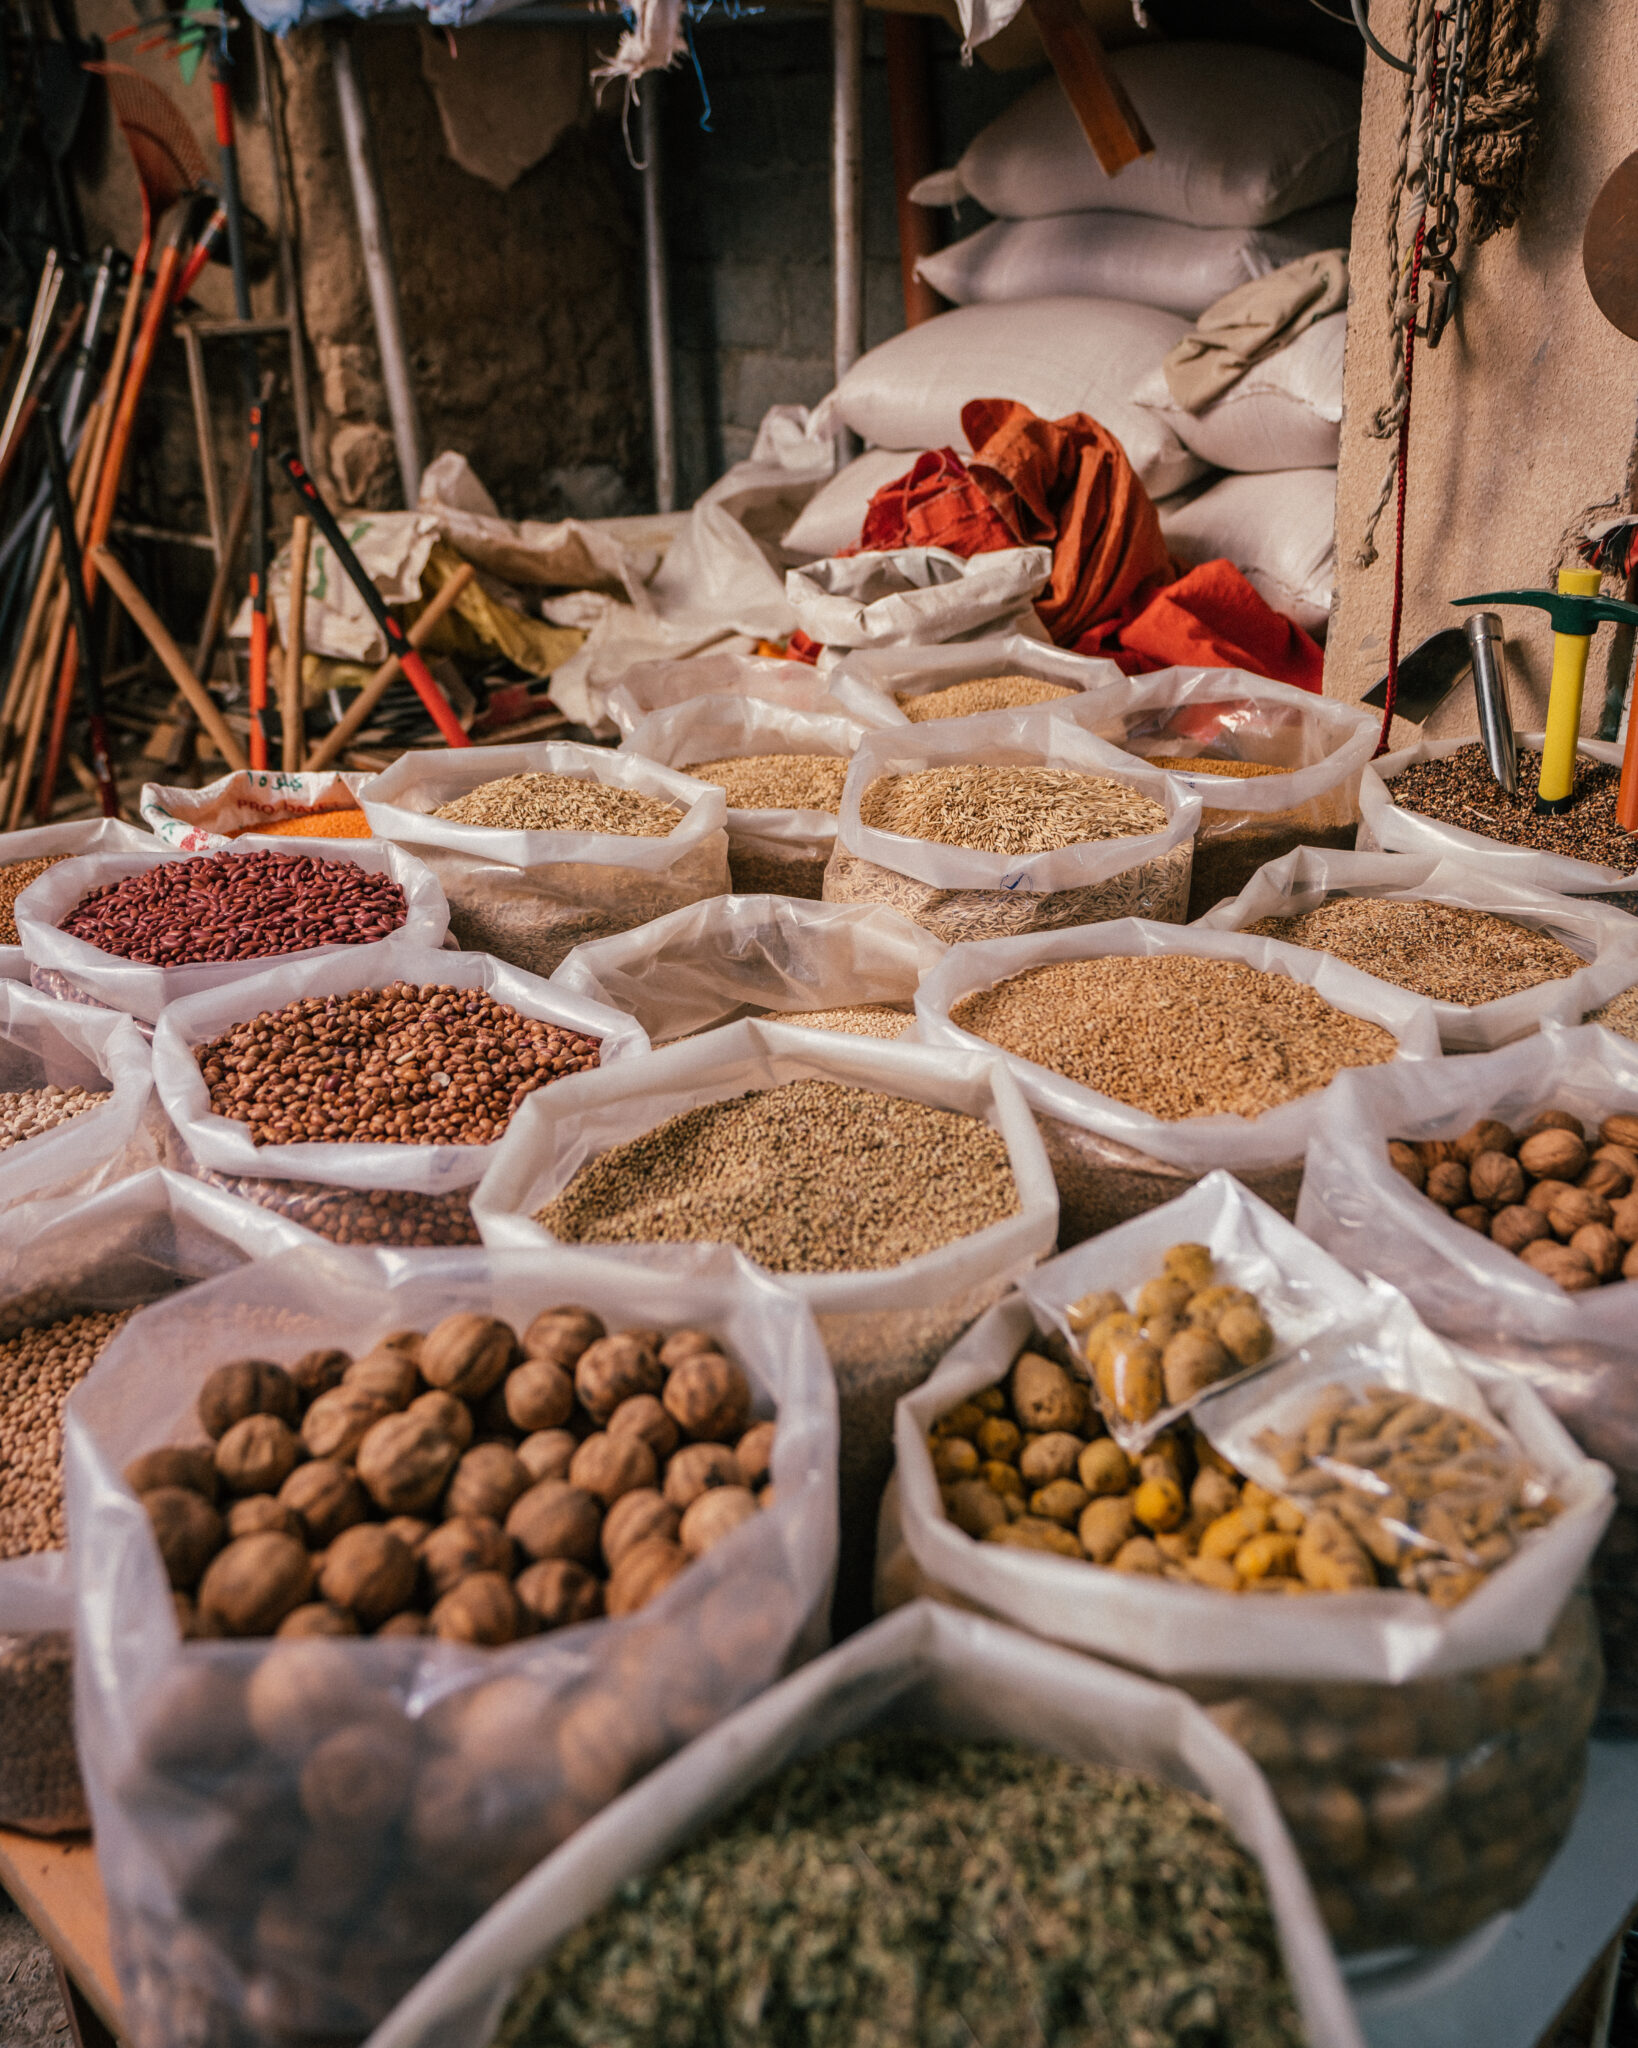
650, 686
892, 686
77, 1109
198, 820
21, 855
748, 956
357, 1193
1113, 1160
914, 597
69, 1272
1132, 828
142, 989
530, 895
952, 1676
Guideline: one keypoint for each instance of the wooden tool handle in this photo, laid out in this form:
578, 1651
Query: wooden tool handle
290, 717
389, 671
112, 571
1112, 124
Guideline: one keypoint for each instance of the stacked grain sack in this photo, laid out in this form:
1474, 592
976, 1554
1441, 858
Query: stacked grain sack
1073, 295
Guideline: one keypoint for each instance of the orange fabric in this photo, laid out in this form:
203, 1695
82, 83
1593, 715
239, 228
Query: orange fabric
1213, 618
935, 504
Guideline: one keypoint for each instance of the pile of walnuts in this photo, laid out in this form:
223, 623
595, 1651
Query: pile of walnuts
464, 1483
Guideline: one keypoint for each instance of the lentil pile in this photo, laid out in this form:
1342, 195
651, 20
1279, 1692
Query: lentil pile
237, 906
778, 782
907, 1889
1172, 1035
1008, 810
1210, 764
340, 824
15, 877
39, 1369
858, 1020
1442, 950
810, 1177
984, 693
562, 803
402, 1065
30, 1112
1460, 790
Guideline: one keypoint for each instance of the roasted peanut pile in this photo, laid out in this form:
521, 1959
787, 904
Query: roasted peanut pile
1442, 950
1182, 1335
984, 693
15, 876
29, 1112
562, 803
811, 1177
402, 1065
1566, 1206
467, 1483
1008, 810
858, 1020
39, 1369
1174, 1035
777, 782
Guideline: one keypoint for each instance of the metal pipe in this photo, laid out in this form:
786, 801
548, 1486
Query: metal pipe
657, 280
1488, 644
378, 267
847, 188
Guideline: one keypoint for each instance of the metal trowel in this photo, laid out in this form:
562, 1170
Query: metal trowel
1427, 675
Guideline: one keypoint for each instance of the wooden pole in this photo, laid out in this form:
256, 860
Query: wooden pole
152, 628
1107, 116
290, 713
389, 671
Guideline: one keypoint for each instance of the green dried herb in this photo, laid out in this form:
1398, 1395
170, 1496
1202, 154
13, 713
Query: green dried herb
902, 1892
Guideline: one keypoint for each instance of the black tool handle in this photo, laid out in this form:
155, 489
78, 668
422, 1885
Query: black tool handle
357, 574
90, 675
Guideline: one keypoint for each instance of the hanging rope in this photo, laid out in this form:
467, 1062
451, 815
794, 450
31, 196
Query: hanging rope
1503, 106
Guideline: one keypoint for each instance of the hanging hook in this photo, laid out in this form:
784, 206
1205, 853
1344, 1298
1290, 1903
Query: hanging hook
1381, 50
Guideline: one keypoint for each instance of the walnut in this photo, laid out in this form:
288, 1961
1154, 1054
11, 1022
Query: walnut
538, 1395
697, 1467
467, 1354
461, 1546
316, 1372
385, 1372
1558, 1262
189, 1465
558, 1593
1606, 1177
644, 1572
1553, 1155
609, 1466
1487, 1135
1624, 1219
1545, 1193
1406, 1161
754, 1454
257, 1455
250, 1386
188, 1531
260, 1511
409, 1622
611, 1371
1629, 1264
635, 1517
1554, 1120
296, 1695
715, 1515
407, 1341
1448, 1184
1435, 1151
1574, 1209
681, 1344
481, 1609
411, 1529
1620, 1129
644, 1416
358, 1778
404, 1463
1496, 1180
327, 1498
708, 1398
555, 1519
335, 1425
1515, 1227
604, 1742
487, 1480
559, 1335
1600, 1247
317, 1618
250, 1587
447, 1415
370, 1572
546, 1454
1472, 1216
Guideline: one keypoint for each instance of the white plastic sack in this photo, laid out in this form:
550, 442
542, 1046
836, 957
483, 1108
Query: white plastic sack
63, 842
530, 897
869, 681
913, 597
960, 894
833, 517
1575, 1349
1284, 413
737, 956
1130, 256
1242, 136
1113, 1162
652, 686
45, 1044
1058, 355
955, 1676
143, 990
501, 1752
1279, 531
202, 820
1606, 939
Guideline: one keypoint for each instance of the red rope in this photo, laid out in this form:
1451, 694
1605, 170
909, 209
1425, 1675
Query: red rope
1399, 518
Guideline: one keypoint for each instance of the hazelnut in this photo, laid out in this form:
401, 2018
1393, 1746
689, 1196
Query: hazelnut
250, 1587
467, 1354
558, 1593
634, 1518
251, 1386
444, 1413
1513, 1228
1406, 1161
1472, 1216
404, 1463
644, 1572
317, 1618
387, 1373
461, 1546
1620, 1129
1576, 1208
1545, 1193
1553, 1155
644, 1416
609, 1466
708, 1398
187, 1529
189, 1465
370, 1572
316, 1372
547, 1453
754, 1454
715, 1515
611, 1371
260, 1511
487, 1480
326, 1497
1496, 1180
1558, 1262
481, 1609
1487, 1135
559, 1335
697, 1467
1600, 1247
683, 1344
538, 1395
257, 1455
555, 1519
335, 1425
1448, 1185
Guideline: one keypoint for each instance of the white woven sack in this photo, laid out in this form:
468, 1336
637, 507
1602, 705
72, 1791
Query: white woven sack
956, 1676
833, 518
738, 956
200, 820
530, 897
142, 990
1130, 256
1284, 413
1606, 939
46, 1044
1058, 355
65, 842
869, 681
1242, 136
1277, 528
913, 597
651, 686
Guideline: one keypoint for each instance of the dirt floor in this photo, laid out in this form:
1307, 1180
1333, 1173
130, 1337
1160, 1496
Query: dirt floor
30, 2010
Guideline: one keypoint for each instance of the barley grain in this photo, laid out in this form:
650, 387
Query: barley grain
860, 1020
777, 782
993, 809
562, 803
1440, 950
983, 693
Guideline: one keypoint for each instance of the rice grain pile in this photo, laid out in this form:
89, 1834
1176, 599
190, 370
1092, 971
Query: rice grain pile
859, 1020
1440, 950
984, 693
562, 803
1173, 1035
1460, 790
991, 809
777, 782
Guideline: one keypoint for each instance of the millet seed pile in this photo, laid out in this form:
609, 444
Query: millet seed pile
1620, 1014
810, 1177
30, 1112
39, 1369
984, 693
15, 877
1172, 1035
1008, 810
339, 824
858, 1020
562, 803
403, 1065
1460, 790
778, 782
1442, 950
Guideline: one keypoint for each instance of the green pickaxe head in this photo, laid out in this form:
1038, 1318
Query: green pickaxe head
1581, 616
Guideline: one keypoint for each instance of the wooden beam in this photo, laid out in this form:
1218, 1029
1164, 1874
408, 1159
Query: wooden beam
1112, 124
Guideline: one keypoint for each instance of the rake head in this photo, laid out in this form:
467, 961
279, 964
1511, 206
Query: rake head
168, 160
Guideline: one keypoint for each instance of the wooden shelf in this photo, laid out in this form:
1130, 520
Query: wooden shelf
55, 1883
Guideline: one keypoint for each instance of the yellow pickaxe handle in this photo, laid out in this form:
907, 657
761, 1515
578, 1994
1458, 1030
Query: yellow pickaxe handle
1564, 697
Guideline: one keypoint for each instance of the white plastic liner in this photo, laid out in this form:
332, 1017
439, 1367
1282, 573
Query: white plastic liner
1329, 1328
201, 820
718, 1634
1606, 939
46, 1044
736, 956
142, 990
868, 680
531, 896
85, 835
649, 686
954, 1675
913, 597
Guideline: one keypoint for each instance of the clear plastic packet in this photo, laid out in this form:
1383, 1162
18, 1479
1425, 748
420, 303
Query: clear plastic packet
531, 897
62, 842
869, 682
257, 1889
738, 956
45, 1044
650, 686
201, 820
913, 597
143, 990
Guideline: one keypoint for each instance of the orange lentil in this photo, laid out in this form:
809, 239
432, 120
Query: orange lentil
314, 825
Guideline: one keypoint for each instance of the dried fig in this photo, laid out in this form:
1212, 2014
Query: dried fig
559, 1335
754, 1454
189, 1465
708, 1398
644, 1416
461, 1546
188, 1531
257, 1454
609, 1466
644, 1572
555, 1519
386, 1372
697, 1467
335, 1425
250, 1386
1191, 1362
538, 1395
611, 1371
547, 1453
715, 1515
259, 1512
467, 1354
481, 1609
327, 1498
558, 1593
487, 1480
370, 1572
404, 1463
634, 1518
250, 1587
